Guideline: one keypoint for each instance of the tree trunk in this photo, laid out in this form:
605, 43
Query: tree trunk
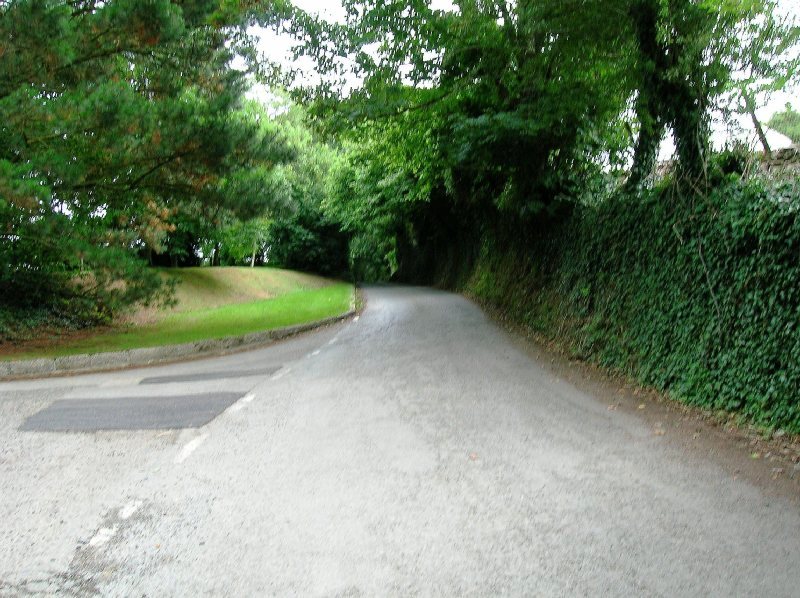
648, 108
751, 110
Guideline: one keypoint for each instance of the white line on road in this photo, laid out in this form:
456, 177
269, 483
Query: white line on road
314, 353
103, 535
333, 340
189, 448
129, 509
239, 405
281, 374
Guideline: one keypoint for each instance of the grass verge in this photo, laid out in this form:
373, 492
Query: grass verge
298, 307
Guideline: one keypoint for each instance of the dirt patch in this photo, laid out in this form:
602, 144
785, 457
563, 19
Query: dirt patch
50, 338
769, 461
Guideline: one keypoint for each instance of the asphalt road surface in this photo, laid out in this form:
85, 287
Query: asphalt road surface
416, 450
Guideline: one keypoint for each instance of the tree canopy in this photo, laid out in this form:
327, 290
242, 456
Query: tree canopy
510, 109
128, 140
118, 121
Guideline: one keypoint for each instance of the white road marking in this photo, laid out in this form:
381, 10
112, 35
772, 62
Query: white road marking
103, 535
281, 374
129, 509
356, 318
239, 405
189, 448
315, 352
333, 340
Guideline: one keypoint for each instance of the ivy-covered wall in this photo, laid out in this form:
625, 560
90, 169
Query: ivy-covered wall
699, 297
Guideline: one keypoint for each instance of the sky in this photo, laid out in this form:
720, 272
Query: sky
278, 49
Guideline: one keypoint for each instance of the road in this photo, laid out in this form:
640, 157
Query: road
416, 450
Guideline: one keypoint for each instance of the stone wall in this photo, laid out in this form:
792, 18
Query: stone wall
785, 160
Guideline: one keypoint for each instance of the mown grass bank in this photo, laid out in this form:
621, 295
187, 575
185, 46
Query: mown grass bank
211, 303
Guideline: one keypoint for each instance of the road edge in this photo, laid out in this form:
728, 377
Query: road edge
700, 433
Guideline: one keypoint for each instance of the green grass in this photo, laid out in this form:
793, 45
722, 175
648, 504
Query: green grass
201, 288
186, 322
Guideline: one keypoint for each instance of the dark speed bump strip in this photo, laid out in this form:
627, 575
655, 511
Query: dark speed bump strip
134, 413
209, 376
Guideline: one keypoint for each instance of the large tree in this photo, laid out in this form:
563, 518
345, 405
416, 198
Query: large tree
478, 123
517, 94
498, 109
114, 116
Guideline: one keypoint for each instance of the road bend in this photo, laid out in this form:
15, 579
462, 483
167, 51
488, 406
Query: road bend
415, 450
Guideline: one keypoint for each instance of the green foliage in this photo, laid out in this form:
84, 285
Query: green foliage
302, 235
244, 242
122, 132
509, 102
383, 173
307, 241
787, 122
686, 53
506, 109
247, 186
696, 295
526, 100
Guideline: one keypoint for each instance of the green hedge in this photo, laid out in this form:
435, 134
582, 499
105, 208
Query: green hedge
700, 297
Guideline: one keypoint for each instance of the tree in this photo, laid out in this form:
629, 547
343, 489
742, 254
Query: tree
244, 242
499, 107
302, 235
765, 61
517, 94
496, 118
114, 117
245, 185
684, 60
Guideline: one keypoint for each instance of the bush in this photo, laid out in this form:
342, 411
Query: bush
58, 280
306, 241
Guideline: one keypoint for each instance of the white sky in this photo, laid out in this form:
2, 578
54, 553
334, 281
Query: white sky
278, 49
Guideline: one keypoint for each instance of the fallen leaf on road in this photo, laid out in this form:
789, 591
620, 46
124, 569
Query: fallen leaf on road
641, 406
473, 456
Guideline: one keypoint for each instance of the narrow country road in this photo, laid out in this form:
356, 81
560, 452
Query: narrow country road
417, 450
